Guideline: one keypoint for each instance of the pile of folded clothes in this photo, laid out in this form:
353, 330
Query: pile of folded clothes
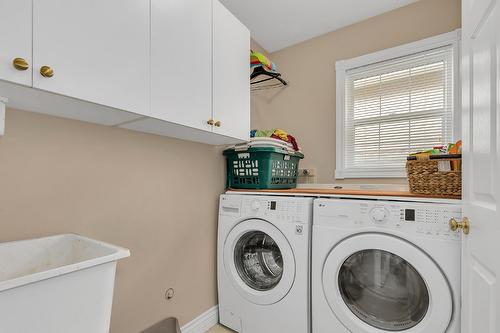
274, 137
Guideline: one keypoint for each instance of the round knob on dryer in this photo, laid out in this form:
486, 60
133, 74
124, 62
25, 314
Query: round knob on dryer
379, 214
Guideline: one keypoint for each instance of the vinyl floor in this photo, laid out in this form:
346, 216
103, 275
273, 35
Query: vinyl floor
219, 329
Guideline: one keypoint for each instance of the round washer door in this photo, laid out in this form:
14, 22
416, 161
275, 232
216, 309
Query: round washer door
259, 261
378, 283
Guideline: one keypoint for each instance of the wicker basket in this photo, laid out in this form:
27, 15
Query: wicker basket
426, 175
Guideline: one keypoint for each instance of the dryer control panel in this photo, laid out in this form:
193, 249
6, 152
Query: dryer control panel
425, 219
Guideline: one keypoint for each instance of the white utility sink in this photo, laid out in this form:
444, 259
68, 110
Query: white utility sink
57, 284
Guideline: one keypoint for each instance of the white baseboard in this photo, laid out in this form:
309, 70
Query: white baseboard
203, 322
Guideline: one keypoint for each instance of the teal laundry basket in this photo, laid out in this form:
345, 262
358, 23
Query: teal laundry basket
262, 168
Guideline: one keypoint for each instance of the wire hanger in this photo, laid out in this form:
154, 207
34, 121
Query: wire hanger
260, 79
258, 71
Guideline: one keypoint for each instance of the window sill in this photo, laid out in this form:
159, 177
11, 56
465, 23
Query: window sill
370, 173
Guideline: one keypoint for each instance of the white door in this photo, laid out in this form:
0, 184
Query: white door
181, 62
231, 80
98, 50
259, 261
15, 41
481, 126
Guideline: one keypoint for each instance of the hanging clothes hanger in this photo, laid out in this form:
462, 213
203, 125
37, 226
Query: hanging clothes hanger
260, 71
260, 75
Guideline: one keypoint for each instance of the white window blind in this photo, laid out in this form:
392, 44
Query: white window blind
396, 107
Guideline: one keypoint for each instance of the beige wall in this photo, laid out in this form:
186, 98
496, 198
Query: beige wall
307, 107
154, 195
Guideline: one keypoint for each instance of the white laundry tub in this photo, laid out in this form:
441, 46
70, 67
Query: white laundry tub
57, 284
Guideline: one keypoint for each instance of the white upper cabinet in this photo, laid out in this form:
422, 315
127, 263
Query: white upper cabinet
200, 67
177, 68
181, 62
15, 41
231, 78
95, 50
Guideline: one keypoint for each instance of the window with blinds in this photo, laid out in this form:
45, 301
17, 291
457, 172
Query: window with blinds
397, 107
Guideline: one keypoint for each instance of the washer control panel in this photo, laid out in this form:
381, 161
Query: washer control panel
281, 209
425, 219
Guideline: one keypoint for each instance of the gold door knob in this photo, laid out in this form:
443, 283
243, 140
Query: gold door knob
20, 64
217, 123
464, 225
46, 71
210, 122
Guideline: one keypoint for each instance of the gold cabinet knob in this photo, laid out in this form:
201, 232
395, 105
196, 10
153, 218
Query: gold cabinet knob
20, 64
46, 71
464, 225
217, 123
210, 122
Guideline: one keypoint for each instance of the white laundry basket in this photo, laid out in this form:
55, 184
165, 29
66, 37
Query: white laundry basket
58, 284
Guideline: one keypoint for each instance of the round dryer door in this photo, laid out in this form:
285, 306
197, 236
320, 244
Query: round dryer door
260, 262
380, 283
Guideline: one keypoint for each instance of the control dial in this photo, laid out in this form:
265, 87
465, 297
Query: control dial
379, 214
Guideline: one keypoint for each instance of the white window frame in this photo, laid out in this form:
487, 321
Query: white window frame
342, 66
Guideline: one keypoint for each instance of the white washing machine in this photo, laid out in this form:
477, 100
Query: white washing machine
263, 263
385, 266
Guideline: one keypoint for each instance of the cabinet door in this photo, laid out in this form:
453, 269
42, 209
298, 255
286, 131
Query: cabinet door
231, 80
98, 50
181, 61
15, 40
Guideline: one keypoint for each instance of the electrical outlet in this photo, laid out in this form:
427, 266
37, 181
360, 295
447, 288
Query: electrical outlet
307, 176
311, 172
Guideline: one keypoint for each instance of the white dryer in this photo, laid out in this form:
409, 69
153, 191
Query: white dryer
385, 266
263, 263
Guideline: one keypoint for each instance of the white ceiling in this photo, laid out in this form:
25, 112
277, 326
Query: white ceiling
276, 24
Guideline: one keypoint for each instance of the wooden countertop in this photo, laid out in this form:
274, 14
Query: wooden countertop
348, 192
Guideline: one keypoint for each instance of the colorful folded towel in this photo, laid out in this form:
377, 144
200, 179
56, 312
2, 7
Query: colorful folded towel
280, 134
294, 143
257, 59
261, 133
